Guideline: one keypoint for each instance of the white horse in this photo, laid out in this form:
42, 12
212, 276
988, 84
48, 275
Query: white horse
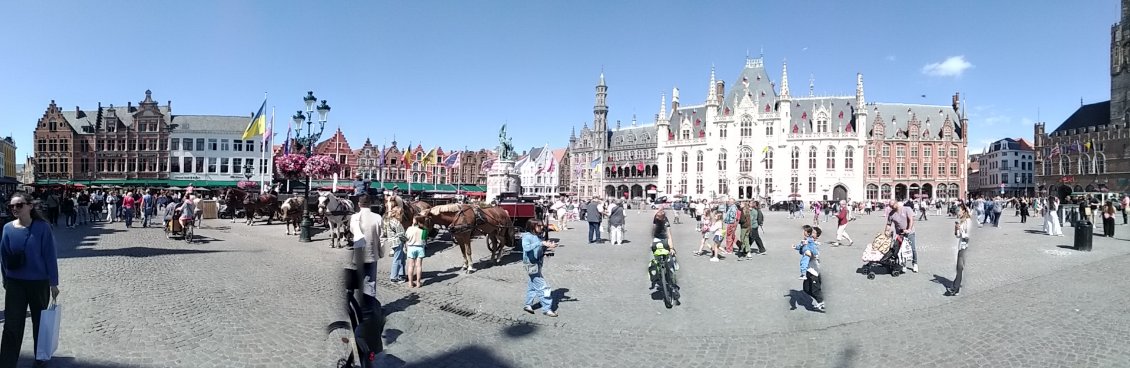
291, 211
337, 212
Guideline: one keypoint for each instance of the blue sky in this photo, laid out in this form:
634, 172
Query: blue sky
449, 73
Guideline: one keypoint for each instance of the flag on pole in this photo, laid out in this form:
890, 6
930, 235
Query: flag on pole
487, 164
451, 160
258, 124
408, 156
286, 144
1055, 151
550, 169
430, 158
381, 160
269, 131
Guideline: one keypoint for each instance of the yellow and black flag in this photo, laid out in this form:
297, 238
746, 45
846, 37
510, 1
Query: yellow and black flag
258, 124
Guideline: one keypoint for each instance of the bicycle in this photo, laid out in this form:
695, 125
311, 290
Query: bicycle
662, 269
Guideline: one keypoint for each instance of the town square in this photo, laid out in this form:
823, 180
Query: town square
502, 184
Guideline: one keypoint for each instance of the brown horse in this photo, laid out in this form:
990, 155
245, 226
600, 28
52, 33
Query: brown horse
463, 222
262, 204
407, 210
291, 212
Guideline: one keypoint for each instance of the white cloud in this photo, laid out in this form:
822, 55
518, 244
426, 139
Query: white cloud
890, 58
952, 66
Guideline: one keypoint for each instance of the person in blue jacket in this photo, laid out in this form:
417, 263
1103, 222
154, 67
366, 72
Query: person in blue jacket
30, 272
533, 256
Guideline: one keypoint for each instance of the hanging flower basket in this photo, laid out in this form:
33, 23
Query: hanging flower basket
247, 185
321, 166
290, 166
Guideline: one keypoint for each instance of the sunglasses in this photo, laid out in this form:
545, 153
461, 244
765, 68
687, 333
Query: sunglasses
16, 205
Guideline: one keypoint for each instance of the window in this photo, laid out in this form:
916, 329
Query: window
872, 192
699, 163
1084, 164
745, 159
769, 128
886, 168
870, 169
831, 160
1064, 165
722, 131
722, 189
794, 185
913, 169
926, 170
176, 145
870, 151
698, 185
236, 165
900, 151
669, 186
953, 152
885, 192
211, 165
768, 158
224, 145
795, 158
132, 144
200, 144
685, 164
900, 169
849, 158
822, 125
914, 151
941, 151
768, 186
249, 146
212, 146
926, 150
722, 161
886, 151
1100, 163
670, 167
812, 184
747, 126
812, 158
683, 186
175, 167
200, 164
953, 169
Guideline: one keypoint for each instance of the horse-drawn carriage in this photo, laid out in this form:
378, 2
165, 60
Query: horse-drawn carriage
522, 209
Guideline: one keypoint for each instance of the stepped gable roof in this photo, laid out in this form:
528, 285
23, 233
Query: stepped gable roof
691, 114
1086, 116
896, 118
807, 110
211, 123
89, 118
632, 135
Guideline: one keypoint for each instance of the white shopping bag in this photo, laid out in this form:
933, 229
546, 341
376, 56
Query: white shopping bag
49, 332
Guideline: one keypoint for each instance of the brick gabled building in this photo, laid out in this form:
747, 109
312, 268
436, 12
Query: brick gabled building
338, 148
129, 142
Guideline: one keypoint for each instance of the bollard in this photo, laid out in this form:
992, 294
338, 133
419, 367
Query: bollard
304, 229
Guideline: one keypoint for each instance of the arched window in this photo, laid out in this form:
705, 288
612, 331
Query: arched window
768, 158
831, 160
812, 158
699, 162
1064, 165
685, 165
745, 159
1085, 164
1100, 163
885, 192
747, 126
722, 160
872, 192
796, 158
670, 167
849, 158
769, 128
822, 124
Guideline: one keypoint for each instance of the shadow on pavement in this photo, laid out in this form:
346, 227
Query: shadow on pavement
131, 252
470, 356
84, 242
942, 280
27, 361
401, 304
847, 357
559, 296
519, 330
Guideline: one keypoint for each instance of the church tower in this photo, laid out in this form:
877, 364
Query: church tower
1120, 67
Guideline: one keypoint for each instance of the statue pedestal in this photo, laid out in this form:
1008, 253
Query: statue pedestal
502, 178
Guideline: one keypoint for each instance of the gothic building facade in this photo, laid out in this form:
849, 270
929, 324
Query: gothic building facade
617, 162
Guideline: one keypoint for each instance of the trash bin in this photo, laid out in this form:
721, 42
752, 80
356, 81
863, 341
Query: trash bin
1084, 233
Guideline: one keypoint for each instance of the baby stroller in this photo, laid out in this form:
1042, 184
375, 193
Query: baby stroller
885, 255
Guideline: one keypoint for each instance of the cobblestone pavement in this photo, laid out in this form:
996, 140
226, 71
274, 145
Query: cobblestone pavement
254, 297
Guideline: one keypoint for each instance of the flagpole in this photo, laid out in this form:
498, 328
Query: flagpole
266, 146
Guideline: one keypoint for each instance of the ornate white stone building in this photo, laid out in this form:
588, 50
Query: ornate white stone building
752, 142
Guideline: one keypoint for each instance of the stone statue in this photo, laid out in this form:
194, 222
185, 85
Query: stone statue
505, 145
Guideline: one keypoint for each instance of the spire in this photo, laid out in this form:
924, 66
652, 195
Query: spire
675, 94
633, 120
712, 93
601, 76
811, 85
662, 109
573, 134
859, 101
785, 80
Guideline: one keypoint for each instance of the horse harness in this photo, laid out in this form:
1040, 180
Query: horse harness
479, 219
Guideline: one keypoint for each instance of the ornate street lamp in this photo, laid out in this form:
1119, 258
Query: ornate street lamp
307, 142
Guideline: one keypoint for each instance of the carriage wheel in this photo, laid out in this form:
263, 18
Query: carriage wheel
870, 275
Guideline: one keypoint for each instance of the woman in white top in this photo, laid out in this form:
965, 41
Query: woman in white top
415, 252
961, 229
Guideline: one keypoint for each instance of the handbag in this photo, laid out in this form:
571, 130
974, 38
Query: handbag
533, 268
49, 320
16, 259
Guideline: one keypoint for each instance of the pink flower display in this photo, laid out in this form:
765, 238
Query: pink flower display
290, 166
321, 166
247, 184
